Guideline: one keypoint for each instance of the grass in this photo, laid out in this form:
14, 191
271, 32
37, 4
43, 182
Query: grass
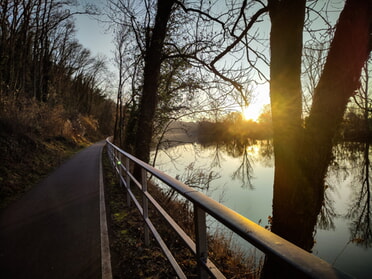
26, 159
132, 259
34, 139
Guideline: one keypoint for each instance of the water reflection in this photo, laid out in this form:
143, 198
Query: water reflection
247, 151
199, 178
360, 207
353, 161
217, 156
247, 167
266, 149
327, 214
244, 171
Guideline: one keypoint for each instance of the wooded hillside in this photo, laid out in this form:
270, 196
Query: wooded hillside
52, 94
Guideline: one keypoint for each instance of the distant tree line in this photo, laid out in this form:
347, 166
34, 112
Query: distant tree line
42, 64
234, 127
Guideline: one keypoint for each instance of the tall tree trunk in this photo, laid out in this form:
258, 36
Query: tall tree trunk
302, 155
287, 20
340, 79
151, 79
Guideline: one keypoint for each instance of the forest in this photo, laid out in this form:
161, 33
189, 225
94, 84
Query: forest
52, 93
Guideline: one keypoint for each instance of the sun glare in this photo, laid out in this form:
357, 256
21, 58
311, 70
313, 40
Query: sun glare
251, 113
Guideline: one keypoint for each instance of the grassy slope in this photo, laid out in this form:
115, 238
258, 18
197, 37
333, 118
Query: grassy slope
27, 158
132, 259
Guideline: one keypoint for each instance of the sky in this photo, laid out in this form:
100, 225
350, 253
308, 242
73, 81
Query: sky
91, 33
94, 36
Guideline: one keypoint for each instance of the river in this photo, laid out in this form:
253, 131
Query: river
241, 177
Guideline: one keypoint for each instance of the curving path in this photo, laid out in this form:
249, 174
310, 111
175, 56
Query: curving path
54, 231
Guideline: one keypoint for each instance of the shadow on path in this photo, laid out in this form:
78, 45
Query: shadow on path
54, 230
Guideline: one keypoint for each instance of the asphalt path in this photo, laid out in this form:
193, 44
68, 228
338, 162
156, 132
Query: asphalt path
54, 231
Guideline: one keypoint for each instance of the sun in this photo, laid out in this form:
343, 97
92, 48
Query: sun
251, 113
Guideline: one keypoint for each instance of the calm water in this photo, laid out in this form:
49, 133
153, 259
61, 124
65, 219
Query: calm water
243, 181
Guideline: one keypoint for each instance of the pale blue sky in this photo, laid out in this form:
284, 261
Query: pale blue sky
93, 36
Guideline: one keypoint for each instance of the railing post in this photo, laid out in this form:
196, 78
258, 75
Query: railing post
117, 163
127, 179
111, 154
120, 170
201, 240
145, 205
116, 158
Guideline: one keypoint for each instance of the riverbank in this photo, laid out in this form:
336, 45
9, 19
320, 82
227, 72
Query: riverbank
132, 259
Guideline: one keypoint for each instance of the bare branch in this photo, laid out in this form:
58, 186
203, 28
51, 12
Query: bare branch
244, 5
186, 10
241, 36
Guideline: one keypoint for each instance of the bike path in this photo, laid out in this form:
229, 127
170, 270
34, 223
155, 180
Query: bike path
54, 231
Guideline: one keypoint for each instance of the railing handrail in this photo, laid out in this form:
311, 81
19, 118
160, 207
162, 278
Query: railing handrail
258, 236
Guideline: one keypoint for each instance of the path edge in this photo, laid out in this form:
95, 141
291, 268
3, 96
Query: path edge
105, 244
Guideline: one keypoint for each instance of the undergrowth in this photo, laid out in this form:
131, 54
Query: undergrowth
34, 139
132, 259
26, 159
129, 256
